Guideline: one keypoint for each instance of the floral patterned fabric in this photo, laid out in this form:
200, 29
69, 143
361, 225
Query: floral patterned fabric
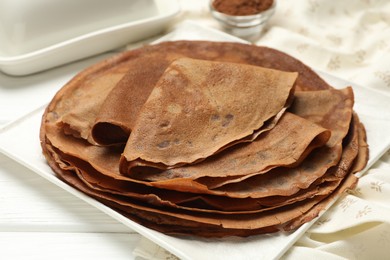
349, 39
357, 226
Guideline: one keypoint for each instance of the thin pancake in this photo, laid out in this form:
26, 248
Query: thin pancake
284, 182
114, 121
324, 190
196, 110
215, 212
331, 109
86, 152
284, 145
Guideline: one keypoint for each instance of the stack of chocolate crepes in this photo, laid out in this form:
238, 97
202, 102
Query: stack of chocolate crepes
205, 138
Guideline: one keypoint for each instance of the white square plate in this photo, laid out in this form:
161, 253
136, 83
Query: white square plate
372, 107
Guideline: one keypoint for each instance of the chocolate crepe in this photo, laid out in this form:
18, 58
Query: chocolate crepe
249, 182
284, 145
209, 97
114, 122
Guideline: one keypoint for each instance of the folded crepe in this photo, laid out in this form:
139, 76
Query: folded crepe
79, 103
89, 101
245, 182
217, 225
112, 122
180, 221
199, 108
93, 179
284, 145
326, 108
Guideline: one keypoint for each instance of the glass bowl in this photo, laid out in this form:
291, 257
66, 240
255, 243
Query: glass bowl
243, 26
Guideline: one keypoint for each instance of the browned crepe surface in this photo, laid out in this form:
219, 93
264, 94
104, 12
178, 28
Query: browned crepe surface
206, 99
232, 225
282, 198
110, 180
114, 122
283, 145
284, 181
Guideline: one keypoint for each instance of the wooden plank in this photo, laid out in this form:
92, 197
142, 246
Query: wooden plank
59, 245
30, 203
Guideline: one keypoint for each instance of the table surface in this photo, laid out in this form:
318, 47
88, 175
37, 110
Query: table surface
38, 220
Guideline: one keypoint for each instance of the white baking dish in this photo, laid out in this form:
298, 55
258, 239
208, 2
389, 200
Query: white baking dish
41, 34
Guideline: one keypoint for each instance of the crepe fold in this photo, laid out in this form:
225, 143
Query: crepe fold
198, 108
204, 138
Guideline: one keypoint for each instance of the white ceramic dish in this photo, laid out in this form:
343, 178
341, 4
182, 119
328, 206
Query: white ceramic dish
373, 112
41, 34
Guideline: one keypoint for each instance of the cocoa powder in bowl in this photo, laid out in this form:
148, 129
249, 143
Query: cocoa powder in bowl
241, 7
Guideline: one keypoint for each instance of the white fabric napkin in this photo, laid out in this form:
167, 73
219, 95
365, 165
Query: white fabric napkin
351, 40
348, 39
357, 226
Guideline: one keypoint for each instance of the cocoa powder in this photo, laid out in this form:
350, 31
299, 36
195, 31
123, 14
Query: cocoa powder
241, 7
